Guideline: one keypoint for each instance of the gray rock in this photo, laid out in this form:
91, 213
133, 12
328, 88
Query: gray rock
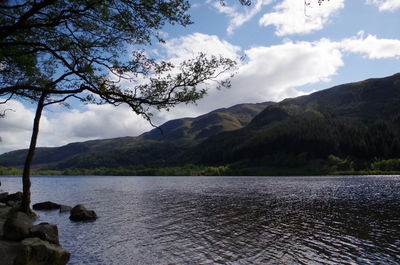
80, 213
46, 206
12, 203
9, 251
65, 208
3, 196
12, 200
16, 226
45, 231
39, 252
31, 251
2, 221
14, 197
4, 214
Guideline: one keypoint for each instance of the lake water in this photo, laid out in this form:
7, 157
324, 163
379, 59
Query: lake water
226, 220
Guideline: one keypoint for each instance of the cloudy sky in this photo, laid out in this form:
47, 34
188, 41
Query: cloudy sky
289, 49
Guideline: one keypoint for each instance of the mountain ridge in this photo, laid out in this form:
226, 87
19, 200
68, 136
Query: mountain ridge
357, 121
222, 119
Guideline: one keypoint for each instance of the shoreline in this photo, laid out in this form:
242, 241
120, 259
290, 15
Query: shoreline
333, 174
37, 247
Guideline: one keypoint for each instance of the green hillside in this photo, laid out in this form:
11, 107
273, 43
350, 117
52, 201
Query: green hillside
355, 124
48, 155
365, 101
204, 126
154, 148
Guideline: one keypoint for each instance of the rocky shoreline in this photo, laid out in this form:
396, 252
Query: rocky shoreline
23, 243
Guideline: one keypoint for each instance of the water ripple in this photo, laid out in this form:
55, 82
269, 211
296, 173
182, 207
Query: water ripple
303, 220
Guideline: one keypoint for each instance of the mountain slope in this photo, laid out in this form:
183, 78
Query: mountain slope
365, 101
48, 155
360, 121
204, 126
151, 148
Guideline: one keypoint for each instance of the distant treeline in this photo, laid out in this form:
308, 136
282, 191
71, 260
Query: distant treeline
332, 166
187, 170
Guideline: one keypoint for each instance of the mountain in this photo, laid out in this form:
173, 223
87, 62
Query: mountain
349, 127
48, 155
365, 101
356, 122
155, 147
204, 126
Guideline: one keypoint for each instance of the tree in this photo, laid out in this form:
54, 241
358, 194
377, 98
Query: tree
54, 50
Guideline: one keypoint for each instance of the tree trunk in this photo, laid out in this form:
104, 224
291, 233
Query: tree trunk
26, 182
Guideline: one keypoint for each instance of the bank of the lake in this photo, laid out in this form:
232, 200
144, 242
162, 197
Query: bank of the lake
22, 242
386, 167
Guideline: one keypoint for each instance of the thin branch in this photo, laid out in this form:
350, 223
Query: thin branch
60, 101
15, 88
3, 112
4, 102
5, 31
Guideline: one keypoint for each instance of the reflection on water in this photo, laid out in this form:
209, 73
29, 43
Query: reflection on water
176, 220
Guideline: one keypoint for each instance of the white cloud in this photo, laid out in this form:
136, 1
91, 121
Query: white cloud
274, 72
270, 73
385, 5
292, 17
239, 14
95, 122
372, 47
16, 127
189, 46
100, 121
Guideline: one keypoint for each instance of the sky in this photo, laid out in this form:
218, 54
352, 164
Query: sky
287, 48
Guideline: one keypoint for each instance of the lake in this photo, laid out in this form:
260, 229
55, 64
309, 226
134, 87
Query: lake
226, 220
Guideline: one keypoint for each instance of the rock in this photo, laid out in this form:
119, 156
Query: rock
46, 206
12, 203
38, 252
11, 199
65, 208
9, 251
3, 196
29, 251
16, 197
16, 226
45, 231
32, 251
80, 213
4, 214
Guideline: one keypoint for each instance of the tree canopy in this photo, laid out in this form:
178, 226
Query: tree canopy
65, 48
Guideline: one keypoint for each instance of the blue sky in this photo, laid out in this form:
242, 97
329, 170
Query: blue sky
346, 21
289, 51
